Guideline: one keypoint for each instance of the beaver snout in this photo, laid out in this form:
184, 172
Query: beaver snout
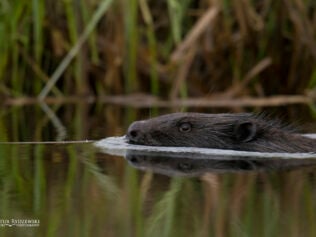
134, 132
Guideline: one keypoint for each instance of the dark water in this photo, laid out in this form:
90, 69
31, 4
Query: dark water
81, 190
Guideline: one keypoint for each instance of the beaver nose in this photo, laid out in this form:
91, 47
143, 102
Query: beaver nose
134, 132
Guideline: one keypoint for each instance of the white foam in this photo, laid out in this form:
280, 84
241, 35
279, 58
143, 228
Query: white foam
119, 146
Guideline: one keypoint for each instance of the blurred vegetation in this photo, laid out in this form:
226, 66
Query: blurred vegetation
169, 48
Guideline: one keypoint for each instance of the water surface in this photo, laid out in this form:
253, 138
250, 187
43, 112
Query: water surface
117, 189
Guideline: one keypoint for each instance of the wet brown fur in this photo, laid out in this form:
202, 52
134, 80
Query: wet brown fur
240, 131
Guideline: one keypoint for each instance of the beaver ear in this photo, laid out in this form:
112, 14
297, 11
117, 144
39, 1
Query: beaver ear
245, 131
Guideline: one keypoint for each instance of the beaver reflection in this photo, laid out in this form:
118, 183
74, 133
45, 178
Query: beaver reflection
188, 165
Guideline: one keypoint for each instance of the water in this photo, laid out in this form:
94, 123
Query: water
118, 146
110, 188
190, 161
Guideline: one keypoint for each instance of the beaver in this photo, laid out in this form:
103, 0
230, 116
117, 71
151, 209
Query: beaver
233, 131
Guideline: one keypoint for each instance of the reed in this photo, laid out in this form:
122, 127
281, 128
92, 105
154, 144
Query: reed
130, 48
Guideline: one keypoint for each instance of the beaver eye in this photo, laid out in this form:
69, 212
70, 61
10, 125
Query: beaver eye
185, 127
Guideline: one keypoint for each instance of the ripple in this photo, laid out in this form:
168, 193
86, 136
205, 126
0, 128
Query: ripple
119, 146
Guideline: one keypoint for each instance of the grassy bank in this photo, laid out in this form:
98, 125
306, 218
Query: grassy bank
169, 48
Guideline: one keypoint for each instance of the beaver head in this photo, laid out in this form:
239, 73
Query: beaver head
240, 131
